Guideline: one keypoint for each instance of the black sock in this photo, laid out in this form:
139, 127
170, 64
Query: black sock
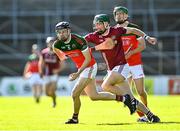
149, 114
75, 116
119, 98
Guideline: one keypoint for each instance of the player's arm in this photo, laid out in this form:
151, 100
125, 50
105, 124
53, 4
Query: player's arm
41, 65
61, 67
138, 32
61, 55
140, 48
26, 68
141, 44
105, 45
86, 62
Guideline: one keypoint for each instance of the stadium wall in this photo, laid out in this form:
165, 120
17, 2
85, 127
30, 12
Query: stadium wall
155, 85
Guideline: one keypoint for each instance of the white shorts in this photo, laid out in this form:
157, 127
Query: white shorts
121, 69
89, 72
136, 71
35, 79
51, 78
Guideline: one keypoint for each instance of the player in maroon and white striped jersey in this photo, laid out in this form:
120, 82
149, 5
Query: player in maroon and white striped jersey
118, 70
50, 66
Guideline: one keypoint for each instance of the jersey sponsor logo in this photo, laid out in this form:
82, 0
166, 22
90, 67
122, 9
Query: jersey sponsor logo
63, 47
73, 46
126, 41
68, 47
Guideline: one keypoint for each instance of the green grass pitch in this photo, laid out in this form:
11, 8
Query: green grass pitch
22, 113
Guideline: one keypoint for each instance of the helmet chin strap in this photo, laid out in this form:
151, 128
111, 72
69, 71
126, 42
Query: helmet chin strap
121, 22
102, 32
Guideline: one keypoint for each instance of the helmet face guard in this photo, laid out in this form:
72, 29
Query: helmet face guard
100, 18
60, 27
120, 9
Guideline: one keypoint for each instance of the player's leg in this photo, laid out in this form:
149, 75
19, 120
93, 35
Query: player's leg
84, 79
105, 96
114, 78
143, 96
34, 82
138, 105
141, 90
52, 92
49, 91
53, 88
94, 95
138, 77
46, 86
34, 90
50, 87
109, 84
78, 88
91, 88
37, 89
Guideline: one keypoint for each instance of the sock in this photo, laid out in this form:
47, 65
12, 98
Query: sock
120, 98
140, 113
75, 116
149, 115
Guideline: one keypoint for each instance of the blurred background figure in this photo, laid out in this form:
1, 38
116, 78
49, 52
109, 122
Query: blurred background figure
50, 66
31, 72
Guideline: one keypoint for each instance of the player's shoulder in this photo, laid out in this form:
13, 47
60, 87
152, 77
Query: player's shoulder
116, 28
56, 42
74, 35
91, 34
133, 25
78, 38
45, 50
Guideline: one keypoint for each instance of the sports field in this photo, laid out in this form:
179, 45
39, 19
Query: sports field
22, 113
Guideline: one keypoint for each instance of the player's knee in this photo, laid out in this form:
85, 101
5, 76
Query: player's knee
49, 93
93, 98
75, 94
106, 87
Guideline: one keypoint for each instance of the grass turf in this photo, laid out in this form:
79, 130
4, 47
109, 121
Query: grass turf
22, 113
